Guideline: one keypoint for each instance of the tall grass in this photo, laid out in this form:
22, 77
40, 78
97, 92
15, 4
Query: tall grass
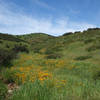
49, 91
59, 79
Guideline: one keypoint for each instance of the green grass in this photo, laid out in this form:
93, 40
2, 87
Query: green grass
74, 89
79, 76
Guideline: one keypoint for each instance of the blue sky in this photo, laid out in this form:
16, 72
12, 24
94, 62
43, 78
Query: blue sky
54, 17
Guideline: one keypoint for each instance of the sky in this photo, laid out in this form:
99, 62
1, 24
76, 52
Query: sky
54, 17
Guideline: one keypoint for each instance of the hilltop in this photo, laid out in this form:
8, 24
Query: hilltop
70, 45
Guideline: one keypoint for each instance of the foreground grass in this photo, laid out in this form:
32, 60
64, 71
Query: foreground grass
49, 79
48, 91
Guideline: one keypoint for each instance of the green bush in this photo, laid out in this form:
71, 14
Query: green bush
82, 57
69, 33
37, 50
3, 91
93, 48
1, 42
54, 56
6, 56
96, 75
53, 51
88, 41
7, 46
7, 75
20, 48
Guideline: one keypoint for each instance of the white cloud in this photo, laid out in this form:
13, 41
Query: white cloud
20, 23
42, 4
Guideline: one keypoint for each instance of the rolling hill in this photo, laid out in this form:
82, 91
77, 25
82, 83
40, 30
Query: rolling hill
46, 67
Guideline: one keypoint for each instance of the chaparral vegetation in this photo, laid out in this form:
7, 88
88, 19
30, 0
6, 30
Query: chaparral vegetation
43, 67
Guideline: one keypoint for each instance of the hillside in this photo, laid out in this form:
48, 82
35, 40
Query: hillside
43, 67
69, 45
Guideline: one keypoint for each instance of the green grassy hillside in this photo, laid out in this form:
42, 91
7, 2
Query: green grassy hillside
43, 67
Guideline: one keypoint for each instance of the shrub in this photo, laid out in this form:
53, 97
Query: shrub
7, 46
88, 41
21, 48
54, 56
7, 75
96, 75
82, 57
6, 56
90, 49
77, 32
93, 48
36, 50
90, 29
69, 33
3, 91
53, 52
1, 42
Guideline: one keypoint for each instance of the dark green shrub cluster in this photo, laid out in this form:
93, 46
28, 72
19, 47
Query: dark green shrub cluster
88, 41
8, 53
96, 75
6, 56
53, 52
82, 57
7, 46
3, 91
20, 48
7, 75
1, 42
36, 49
89, 29
77, 32
69, 33
54, 56
93, 48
